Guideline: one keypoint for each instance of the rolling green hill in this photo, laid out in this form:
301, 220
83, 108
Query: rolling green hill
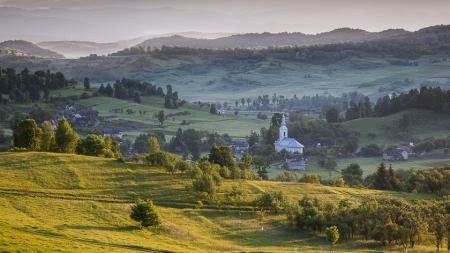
70, 203
424, 124
30, 48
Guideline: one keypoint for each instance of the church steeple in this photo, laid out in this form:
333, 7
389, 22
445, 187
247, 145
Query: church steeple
283, 129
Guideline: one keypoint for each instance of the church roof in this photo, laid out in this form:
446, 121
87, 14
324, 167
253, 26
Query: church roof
288, 143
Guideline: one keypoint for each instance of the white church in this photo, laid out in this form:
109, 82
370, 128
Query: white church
283, 142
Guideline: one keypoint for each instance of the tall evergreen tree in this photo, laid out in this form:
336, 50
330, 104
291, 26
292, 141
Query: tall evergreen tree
381, 181
101, 90
392, 179
109, 90
87, 84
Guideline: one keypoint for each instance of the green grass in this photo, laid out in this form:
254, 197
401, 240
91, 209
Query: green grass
70, 203
199, 117
424, 124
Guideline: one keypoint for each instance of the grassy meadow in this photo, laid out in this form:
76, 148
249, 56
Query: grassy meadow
69, 203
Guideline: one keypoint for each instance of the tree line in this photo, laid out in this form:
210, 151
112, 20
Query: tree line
25, 86
61, 139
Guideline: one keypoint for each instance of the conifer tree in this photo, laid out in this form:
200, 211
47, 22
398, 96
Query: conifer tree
144, 212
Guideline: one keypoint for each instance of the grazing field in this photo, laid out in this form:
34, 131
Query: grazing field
198, 117
424, 124
70, 203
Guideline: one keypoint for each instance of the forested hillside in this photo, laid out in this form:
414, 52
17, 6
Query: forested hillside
272, 39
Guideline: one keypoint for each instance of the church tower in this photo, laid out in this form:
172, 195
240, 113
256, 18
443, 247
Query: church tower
283, 129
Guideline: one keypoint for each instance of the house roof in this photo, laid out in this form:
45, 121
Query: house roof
288, 143
239, 143
112, 131
296, 157
408, 149
393, 152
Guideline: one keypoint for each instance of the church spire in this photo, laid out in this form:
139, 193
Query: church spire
283, 128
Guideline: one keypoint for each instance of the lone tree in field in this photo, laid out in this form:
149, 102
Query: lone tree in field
144, 212
330, 165
161, 117
87, 84
332, 234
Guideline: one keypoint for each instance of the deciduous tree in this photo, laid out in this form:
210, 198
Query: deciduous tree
27, 135
332, 234
65, 137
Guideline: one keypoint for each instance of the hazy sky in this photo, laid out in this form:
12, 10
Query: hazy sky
243, 6
92, 19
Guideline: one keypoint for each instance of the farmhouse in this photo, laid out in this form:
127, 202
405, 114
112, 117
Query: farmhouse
408, 149
82, 121
112, 132
89, 113
283, 142
396, 155
239, 145
296, 162
110, 118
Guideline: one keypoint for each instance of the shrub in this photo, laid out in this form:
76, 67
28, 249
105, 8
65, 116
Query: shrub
310, 179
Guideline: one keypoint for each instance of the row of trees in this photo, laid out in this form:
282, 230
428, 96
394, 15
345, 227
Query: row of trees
388, 220
25, 86
427, 98
63, 139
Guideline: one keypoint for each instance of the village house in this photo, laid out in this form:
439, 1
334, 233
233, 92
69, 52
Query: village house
113, 132
89, 113
81, 121
110, 118
239, 145
296, 162
395, 155
408, 149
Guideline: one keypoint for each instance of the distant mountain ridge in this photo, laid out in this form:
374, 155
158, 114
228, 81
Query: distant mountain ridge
275, 39
75, 49
31, 48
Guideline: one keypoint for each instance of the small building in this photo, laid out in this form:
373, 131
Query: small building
296, 162
222, 113
408, 149
89, 113
53, 123
296, 165
239, 145
113, 132
396, 155
110, 118
82, 121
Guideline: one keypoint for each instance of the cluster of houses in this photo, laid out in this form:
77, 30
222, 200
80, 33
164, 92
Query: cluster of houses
83, 119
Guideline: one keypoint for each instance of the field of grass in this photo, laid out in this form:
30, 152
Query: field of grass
70, 203
424, 124
198, 118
